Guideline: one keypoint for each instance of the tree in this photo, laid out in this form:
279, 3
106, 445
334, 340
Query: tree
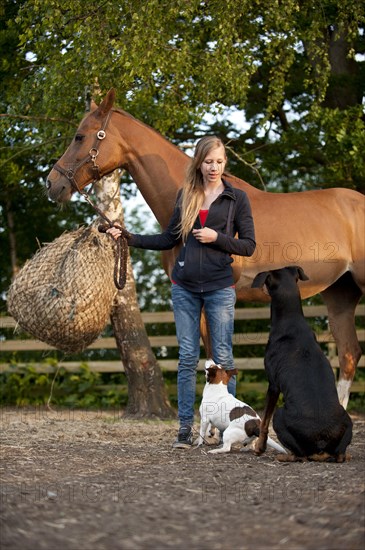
283, 64
146, 392
27, 218
294, 68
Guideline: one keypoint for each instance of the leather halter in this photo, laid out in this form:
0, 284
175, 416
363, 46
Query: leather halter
120, 266
70, 173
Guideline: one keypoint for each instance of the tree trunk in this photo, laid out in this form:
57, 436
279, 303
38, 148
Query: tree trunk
12, 239
146, 391
344, 90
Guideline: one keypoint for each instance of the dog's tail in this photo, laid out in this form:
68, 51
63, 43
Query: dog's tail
276, 446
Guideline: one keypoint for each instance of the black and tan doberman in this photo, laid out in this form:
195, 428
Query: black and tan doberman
312, 424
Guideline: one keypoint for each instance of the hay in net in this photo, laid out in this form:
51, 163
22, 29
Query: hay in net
63, 294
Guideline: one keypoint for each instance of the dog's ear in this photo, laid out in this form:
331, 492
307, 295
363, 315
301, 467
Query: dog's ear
260, 279
302, 276
231, 372
212, 370
298, 272
209, 363
211, 373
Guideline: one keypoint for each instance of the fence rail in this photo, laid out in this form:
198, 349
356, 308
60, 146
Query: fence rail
240, 339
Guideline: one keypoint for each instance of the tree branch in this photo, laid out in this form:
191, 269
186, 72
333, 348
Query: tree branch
250, 165
22, 149
45, 118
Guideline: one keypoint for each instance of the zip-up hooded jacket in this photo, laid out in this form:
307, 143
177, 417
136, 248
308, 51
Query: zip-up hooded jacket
202, 267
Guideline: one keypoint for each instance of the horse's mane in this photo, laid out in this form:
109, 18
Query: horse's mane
234, 180
140, 123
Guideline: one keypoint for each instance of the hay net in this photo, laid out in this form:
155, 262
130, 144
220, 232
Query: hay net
64, 293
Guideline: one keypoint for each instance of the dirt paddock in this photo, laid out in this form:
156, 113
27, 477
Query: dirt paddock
87, 480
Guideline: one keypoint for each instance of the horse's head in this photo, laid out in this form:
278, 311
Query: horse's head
91, 154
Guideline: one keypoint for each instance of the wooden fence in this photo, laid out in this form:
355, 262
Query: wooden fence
244, 363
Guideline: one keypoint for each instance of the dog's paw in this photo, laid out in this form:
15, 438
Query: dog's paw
259, 449
246, 449
343, 458
260, 446
212, 440
219, 450
289, 457
321, 457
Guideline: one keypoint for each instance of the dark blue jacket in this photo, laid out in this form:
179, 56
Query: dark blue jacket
202, 267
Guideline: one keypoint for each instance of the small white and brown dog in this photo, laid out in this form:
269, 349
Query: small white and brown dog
220, 409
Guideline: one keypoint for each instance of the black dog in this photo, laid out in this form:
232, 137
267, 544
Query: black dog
312, 424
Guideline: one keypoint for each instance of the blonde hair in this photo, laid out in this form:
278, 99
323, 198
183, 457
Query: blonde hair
192, 196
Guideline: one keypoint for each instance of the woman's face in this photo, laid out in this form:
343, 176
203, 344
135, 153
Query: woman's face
213, 165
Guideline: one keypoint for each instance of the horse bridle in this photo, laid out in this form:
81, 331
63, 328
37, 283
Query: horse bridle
70, 173
120, 266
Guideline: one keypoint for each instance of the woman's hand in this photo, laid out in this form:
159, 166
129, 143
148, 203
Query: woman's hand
115, 232
205, 235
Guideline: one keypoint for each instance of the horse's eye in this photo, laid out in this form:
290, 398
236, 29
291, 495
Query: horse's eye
79, 137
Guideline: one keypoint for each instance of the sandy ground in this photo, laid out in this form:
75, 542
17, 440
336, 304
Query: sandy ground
88, 480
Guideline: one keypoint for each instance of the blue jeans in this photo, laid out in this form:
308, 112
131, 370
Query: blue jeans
219, 311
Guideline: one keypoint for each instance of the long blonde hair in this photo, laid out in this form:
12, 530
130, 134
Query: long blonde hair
192, 196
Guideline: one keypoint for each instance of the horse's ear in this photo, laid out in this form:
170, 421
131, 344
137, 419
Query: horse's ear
107, 103
93, 106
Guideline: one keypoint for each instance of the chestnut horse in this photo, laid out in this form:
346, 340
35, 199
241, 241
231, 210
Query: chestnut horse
322, 231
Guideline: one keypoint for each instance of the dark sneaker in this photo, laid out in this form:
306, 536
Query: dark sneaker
184, 438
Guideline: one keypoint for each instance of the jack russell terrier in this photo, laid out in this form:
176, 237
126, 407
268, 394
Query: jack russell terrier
239, 423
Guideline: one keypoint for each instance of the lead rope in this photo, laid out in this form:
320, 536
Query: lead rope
121, 257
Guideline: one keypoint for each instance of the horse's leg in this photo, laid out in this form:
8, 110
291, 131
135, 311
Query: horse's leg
341, 299
205, 334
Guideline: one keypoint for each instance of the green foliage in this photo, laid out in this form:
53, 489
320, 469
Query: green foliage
27, 218
296, 70
82, 389
287, 65
22, 388
86, 389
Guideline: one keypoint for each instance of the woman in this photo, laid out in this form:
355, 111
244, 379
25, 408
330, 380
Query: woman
203, 275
